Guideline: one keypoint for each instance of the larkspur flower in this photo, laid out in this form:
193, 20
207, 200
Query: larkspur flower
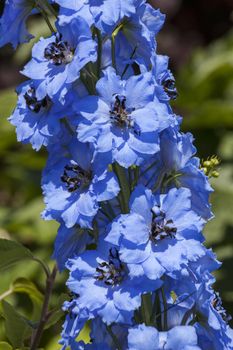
165, 88
108, 13
100, 333
71, 9
57, 60
136, 38
197, 303
121, 179
181, 338
121, 120
104, 286
13, 22
37, 121
159, 235
73, 185
176, 165
70, 242
73, 325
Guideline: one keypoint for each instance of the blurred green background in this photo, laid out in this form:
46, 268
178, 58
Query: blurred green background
198, 36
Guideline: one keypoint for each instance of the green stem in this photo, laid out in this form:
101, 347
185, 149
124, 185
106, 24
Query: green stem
127, 66
113, 48
114, 338
186, 317
113, 51
136, 177
165, 325
84, 81
158, 316
125, 190
46, 7
153, 313
146, 308
174, 305
149, 167
191, 323
105, 214
6, 294
107, 210
44, 266
110, 209
44, 14
99, 39
36, 336
158, 185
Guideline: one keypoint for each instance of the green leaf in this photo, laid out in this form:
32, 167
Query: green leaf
8, 100
23, 285
54, 318
57, 312
5, 346
16, 326
12, 252
225, 150
206, 87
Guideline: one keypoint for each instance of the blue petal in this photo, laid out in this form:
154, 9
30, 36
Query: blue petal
109, 85
142, 337
141, 202
134, 87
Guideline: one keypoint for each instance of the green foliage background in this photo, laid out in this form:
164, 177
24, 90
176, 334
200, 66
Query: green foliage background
205, 87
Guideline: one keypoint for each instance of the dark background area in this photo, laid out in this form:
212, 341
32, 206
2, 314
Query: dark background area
198, 37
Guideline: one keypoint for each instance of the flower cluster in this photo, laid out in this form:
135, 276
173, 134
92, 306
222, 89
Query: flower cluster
121, 179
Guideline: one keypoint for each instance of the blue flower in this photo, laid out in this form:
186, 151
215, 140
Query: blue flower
73, 185
37, 121
175, 165
197, 303
122, 120
12, 23
99, 334
70, 242
160, 234
142, 337
212, 320
104, 286
72, 8
57, 60
73, 325
165, 88
136, 39
108, 13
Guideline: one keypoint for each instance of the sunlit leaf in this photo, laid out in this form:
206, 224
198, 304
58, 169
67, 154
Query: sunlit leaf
12, 252
5, 346
16, 325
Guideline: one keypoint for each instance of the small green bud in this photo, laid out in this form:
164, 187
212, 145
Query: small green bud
207, 164
215, 161
205, 170
215, 173
133, 166
173, 296
110, 167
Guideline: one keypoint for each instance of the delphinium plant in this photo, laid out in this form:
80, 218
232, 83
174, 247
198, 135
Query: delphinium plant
121, 179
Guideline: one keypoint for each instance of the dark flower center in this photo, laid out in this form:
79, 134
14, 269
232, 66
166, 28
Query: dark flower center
112, 272
120, 116
161, 227
59, 52
217, 304
33, 103
170, 88
75, 177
